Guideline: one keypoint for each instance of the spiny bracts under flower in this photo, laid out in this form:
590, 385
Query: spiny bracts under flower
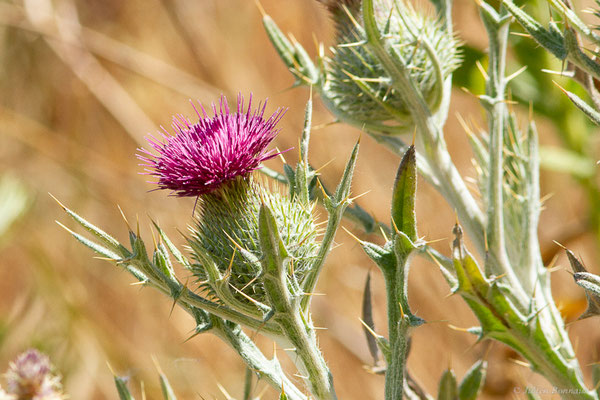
30, 377
201, 157
226, 235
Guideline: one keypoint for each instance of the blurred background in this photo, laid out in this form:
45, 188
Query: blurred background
82, 83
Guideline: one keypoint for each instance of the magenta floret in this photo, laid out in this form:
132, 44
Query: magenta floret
201, 157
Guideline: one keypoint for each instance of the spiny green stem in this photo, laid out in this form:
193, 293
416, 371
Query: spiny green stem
398, 336
547, 346
269, 370
306, 355
451, 184
497, 27
234, 336
284, 298
301, 336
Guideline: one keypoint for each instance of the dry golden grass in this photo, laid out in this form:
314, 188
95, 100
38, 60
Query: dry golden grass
82, 83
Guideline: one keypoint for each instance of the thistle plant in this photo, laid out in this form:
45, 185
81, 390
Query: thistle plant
255, 252
255, 255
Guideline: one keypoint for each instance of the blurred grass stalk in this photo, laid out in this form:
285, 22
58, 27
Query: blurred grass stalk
76, 46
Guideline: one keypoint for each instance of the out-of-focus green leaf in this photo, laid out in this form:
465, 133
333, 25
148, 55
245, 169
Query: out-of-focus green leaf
473, 381
596, 378
124, 393
448, 390
531, 394
567, 161
167, 390
14, 200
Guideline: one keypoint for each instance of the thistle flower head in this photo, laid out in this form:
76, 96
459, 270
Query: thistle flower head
30, 377
203, 156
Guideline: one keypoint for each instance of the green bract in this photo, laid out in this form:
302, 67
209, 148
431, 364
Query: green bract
225, 238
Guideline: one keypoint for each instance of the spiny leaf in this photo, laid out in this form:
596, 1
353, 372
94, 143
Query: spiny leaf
588, 110
589, 282
172, 249
343, 190
281, 43
384, 257
473, 381
367, 317
471, 280
122, 389
292, 54
552, 40
304, 174
272, 247
448, 389
403, 197
109, 241
103, 251
166, 389
283, 396
576, 265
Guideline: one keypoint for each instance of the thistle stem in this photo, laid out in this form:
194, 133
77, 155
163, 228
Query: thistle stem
301, 336
284, 298
309, 359
546, 345
269, 370
450, 183
398, 326
495, 102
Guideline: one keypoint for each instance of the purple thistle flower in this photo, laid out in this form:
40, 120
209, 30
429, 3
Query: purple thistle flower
201, 157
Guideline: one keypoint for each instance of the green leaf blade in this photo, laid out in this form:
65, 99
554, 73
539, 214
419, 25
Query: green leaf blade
473, 381
404, 194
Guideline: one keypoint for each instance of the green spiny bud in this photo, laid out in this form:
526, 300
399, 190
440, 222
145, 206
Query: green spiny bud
357, 88
227, 234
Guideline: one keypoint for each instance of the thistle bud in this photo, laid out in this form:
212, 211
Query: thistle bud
357, 87
227, 231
